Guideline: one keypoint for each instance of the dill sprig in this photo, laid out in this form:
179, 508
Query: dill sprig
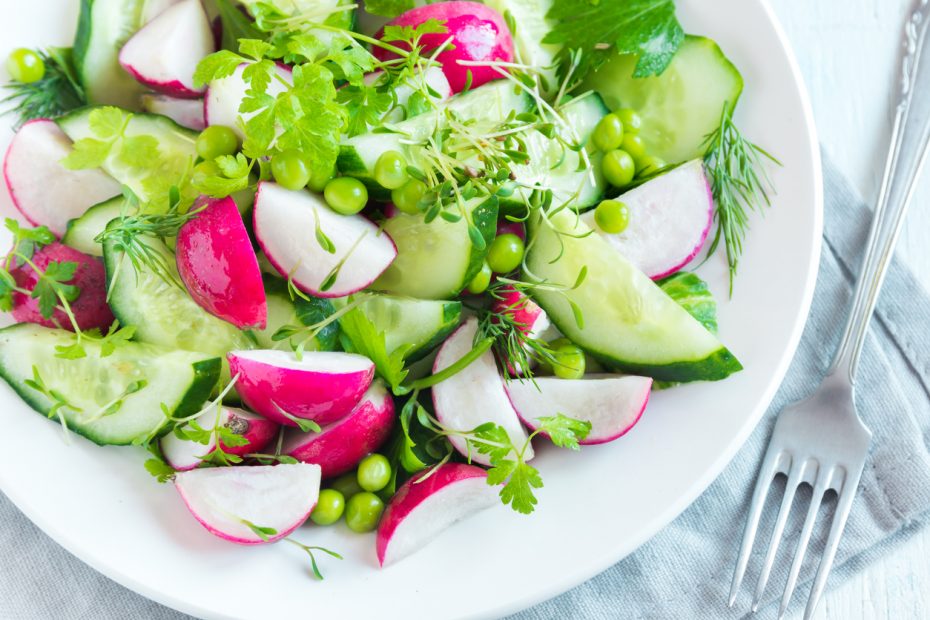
57, 92
739, 184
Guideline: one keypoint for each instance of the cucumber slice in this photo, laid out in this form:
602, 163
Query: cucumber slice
556, 167
179, 380
529, 16
436, 260
103, 27
629, 323
83, 230
176, 150
424, 324
283, 311
680, 107
491, 102
164, 314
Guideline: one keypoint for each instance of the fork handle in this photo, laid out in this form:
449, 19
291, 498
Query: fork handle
906, 155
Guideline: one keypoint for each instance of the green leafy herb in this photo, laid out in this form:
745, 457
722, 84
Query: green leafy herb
58, 402
53, 286
265, 533
235, 24
156, 465
26, 241
388, 8
739, 184
599, 30
309, 551
58, 91
368, 341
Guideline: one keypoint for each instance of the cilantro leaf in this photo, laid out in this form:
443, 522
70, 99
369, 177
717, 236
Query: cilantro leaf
107, 122
87, 153
53, 286
411, 35
493, 441
217, 66
27, 240
388, 8
159, 469
600, 30
139, 151
368, 341
518, 492
565, 432
367, 105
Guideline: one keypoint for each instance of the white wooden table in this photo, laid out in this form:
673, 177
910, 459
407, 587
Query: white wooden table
848, 51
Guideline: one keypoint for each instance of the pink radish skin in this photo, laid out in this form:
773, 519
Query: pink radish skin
322, 386
277, 496
184, 112
90, 308
506, 227
671, 217
474, 395
284, 222
612, 403
479, 33
224, 96
164, 53
340, 446
41, 188
218, 266
419, 511
184, 455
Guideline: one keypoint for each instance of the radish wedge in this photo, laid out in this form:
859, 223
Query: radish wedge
184, 454
185, 112
224, 96
43, 190
419, 511
321, 386
612, 403
225, 499
285, 222
474, 395
340, 446
527, 316
218, 266
164, 54
671, 216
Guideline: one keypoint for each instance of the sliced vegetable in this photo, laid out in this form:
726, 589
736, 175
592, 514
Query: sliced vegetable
185, 112
256, 434
285, 312
83, 230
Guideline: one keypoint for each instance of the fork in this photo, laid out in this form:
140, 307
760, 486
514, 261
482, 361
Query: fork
821, 441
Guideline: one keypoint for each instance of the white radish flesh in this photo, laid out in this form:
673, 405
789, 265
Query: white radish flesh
224, 96
184, 454
184, 112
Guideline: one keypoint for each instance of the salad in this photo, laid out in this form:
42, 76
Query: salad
333, 262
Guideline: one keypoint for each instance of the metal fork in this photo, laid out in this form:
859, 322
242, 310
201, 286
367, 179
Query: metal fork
821, 441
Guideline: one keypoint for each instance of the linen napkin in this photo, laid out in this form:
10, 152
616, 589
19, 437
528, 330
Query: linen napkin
684, 572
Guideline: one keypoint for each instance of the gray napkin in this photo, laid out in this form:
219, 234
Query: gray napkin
685, 571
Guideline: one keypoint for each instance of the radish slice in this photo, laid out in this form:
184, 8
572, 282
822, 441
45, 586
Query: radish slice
474, 395
670, 217
612, 403
90, 309
340, 446
164, 53
321, 386
528, 317
43, 190
419, 511
184, 112
285, 222
218, 266
280, 497
184, 454
224, 96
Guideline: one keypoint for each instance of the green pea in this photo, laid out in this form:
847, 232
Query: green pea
25, 66
481, 281
407, 197
318, 180
346, 195
391, 170
290, 170
569, 362
329, 507
650, 165
347, 484
618, 167
505, 253
634, 145
216, 140
612, 216
608, 134
363, 511
632, 122
374, 472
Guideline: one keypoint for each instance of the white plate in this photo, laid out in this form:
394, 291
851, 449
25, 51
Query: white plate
102, 506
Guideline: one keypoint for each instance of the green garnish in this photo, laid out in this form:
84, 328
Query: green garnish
739, 184
58, 91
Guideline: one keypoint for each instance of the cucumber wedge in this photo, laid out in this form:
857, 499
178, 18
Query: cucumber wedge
529, 16
423, 324
176, 151
83, 230
436, 260
491, 102
164, 314
629, 323
179, 380
283, 311
680, 107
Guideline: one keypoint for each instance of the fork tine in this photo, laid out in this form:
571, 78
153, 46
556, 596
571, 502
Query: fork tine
820, 488
791, 487
770, 466
843, 505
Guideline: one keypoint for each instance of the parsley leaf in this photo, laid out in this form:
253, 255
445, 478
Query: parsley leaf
518, 492
27, 240
565, 432
647, 28
52, 284
160, 469
217, 66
